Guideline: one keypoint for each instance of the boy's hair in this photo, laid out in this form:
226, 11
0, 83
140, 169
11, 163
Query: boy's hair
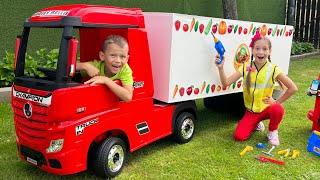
254, 40
114, 39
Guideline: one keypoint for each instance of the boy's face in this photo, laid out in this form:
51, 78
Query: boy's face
114, 58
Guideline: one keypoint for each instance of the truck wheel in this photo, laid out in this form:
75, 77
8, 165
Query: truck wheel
110, 157
184, 127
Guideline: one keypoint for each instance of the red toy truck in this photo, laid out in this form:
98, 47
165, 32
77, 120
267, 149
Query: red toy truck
314, 114
65, 127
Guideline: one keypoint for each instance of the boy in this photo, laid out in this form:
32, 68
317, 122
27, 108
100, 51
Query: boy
113, 65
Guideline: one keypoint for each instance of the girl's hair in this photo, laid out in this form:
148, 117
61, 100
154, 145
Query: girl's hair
114, 39
253, 41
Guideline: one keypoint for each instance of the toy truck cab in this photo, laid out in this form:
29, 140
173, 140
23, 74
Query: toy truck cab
314, 114
63, 126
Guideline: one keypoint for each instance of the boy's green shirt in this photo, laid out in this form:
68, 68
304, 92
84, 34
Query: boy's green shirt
124, 75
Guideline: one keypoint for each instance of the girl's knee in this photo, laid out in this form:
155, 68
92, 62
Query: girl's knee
240, 136
278, 109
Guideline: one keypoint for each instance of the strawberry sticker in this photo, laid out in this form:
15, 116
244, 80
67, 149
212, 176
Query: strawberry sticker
196, 91
177, 25
181, 91
185, 27
213, 87
189, 90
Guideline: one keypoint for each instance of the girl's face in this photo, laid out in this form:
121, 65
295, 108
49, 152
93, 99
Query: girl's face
261, 51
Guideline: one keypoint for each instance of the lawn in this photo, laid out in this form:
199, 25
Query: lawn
212, 154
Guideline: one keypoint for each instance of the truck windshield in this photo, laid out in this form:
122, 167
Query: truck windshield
42, 60
42, 53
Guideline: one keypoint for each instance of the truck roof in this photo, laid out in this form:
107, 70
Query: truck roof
87, 16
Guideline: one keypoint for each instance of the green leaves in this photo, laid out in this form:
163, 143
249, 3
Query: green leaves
43, 58
6, 70
301, 48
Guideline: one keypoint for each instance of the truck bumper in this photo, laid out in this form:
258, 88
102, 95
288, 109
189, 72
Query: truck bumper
66, 162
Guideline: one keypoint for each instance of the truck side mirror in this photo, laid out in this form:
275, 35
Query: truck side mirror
72, 56
16, 51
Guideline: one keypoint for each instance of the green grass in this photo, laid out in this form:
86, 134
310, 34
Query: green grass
212, 154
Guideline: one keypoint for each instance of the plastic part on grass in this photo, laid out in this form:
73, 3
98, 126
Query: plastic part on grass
284, 152
263, 158
295, 154
261, 145
246, 149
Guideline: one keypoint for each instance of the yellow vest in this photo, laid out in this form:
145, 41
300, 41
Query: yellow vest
261, 85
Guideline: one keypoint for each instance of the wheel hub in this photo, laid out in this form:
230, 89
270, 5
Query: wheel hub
115, 158
187, 128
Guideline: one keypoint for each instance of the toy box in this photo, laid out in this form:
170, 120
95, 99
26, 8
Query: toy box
314, 143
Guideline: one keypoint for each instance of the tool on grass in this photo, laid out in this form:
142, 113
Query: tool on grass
246, 149
295, 153
269, 152
284, 152
261, 145
263, 158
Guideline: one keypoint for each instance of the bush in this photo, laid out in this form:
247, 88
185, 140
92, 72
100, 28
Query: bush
43, 59
301, 48
6, 70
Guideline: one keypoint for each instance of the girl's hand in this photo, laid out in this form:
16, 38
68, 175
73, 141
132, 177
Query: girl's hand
220, 66
268, 100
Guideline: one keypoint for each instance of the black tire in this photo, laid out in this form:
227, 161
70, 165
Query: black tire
114, 149
184, 128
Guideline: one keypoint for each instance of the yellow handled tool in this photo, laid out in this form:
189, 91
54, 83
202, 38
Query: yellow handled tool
246, 149
284, 152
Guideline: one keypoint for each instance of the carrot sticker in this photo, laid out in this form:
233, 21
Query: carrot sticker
250, 28
192, 24
175, 90
203, 86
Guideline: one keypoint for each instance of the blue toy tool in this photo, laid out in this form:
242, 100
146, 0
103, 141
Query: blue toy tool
219, 48
261, 145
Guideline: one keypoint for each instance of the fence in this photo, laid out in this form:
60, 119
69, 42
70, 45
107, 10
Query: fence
307, 20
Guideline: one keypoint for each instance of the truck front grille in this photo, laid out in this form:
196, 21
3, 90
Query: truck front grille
34, 129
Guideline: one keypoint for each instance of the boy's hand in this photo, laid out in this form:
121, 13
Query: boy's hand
91, 70
97, 80
268, 100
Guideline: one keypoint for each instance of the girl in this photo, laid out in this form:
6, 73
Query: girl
259, 76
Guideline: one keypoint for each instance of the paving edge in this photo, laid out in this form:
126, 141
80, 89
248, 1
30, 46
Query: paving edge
5, 94
302, 56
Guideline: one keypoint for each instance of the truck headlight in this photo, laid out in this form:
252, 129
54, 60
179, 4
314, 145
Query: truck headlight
55, 145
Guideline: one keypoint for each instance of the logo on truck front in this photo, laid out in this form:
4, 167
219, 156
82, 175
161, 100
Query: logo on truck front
27, 110
32, 97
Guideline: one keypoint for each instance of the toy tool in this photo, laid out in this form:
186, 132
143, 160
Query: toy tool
219, 48
284, 152
262, 158
269, 152
246, 149
261, 145
295, 154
